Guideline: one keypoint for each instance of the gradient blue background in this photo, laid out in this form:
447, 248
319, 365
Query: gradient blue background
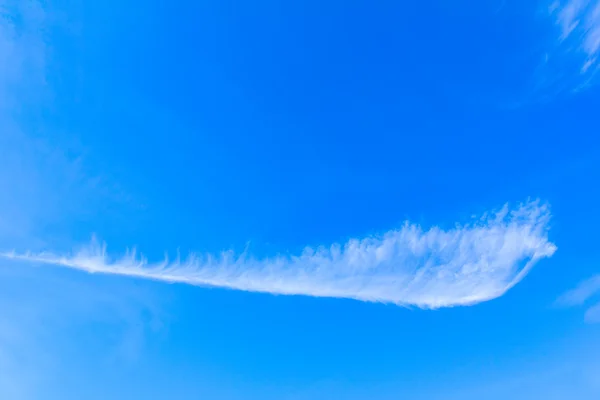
205, 126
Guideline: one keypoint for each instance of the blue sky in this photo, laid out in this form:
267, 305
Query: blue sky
266, 200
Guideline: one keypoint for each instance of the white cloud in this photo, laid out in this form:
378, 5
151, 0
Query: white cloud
580, 295
579, 24
410, 266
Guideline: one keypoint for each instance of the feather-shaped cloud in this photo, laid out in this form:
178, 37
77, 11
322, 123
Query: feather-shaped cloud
429, 268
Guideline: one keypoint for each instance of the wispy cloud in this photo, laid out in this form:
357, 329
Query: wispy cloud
581, 293
568, 50
429, 268
584, 292
23, 159
44, 175
578, 23
45, 316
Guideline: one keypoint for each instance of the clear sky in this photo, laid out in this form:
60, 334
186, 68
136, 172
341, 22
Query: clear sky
299, 200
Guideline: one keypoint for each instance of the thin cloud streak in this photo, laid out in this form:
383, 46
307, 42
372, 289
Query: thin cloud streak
585, 291
581, 293
409, 266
